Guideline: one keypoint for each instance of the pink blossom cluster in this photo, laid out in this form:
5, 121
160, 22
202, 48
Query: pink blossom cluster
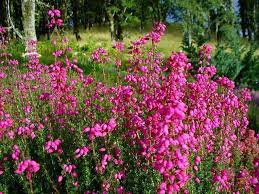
13, 62
157, 32
101, 130
16, 152
57, 53
245, 180
223, 179
53, 146
159, 116
100, 55
81, 152
3, 40
26, 131
2, 30
55, 19
29, 167
69, 169
104, 162
119, 46
205, 54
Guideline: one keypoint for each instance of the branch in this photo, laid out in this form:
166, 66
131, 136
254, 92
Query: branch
43, 4
11, 22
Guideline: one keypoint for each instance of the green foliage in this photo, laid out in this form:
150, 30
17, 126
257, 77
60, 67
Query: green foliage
236, 61
142, 181
249, 75
16, 48
253, 115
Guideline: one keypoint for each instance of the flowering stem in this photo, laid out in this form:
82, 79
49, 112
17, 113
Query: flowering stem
103, 74
31, 188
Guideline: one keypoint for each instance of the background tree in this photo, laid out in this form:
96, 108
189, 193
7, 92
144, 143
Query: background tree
28, 12
247, 13
3, 18
76, 22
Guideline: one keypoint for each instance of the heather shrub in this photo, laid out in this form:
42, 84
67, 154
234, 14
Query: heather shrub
157, 129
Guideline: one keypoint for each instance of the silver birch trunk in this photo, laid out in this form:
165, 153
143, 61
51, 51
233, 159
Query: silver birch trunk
28, 12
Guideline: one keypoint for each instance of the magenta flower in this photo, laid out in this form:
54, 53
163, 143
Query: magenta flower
55, 19
119, 46
30, 167
81, 152
53, 146
16, 152
2, 30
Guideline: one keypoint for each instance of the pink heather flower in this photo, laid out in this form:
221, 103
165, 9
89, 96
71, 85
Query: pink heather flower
10, 134
118, 62
53, 146
60, 178
2, 75
57, 53
205, 54
59, 22
118, 176
54, 42
45, 96
55, 19
13, 62
54, 12
224, 81
69, 49
207, 49
223, 178
57, 12
69, 168
76, 183
104, 162
119, 46
120, 190
159, 27
51, 13
2, 30
102, 149
26, 131
246, 94
100, 55
16, 152
29, 167
155, 37
197, 180
81, 152
105, 186
1, 169
100, 130
179, 60
210, 71
197, 160
65, 40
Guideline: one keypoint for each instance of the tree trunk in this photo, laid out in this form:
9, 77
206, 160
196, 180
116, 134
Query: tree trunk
75, 19
17, 14
3, 15
257, 21
243, 18
86, 15
189, 29
118, 31
28, 12
64, 5
111, 24
217, 31
142, 19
